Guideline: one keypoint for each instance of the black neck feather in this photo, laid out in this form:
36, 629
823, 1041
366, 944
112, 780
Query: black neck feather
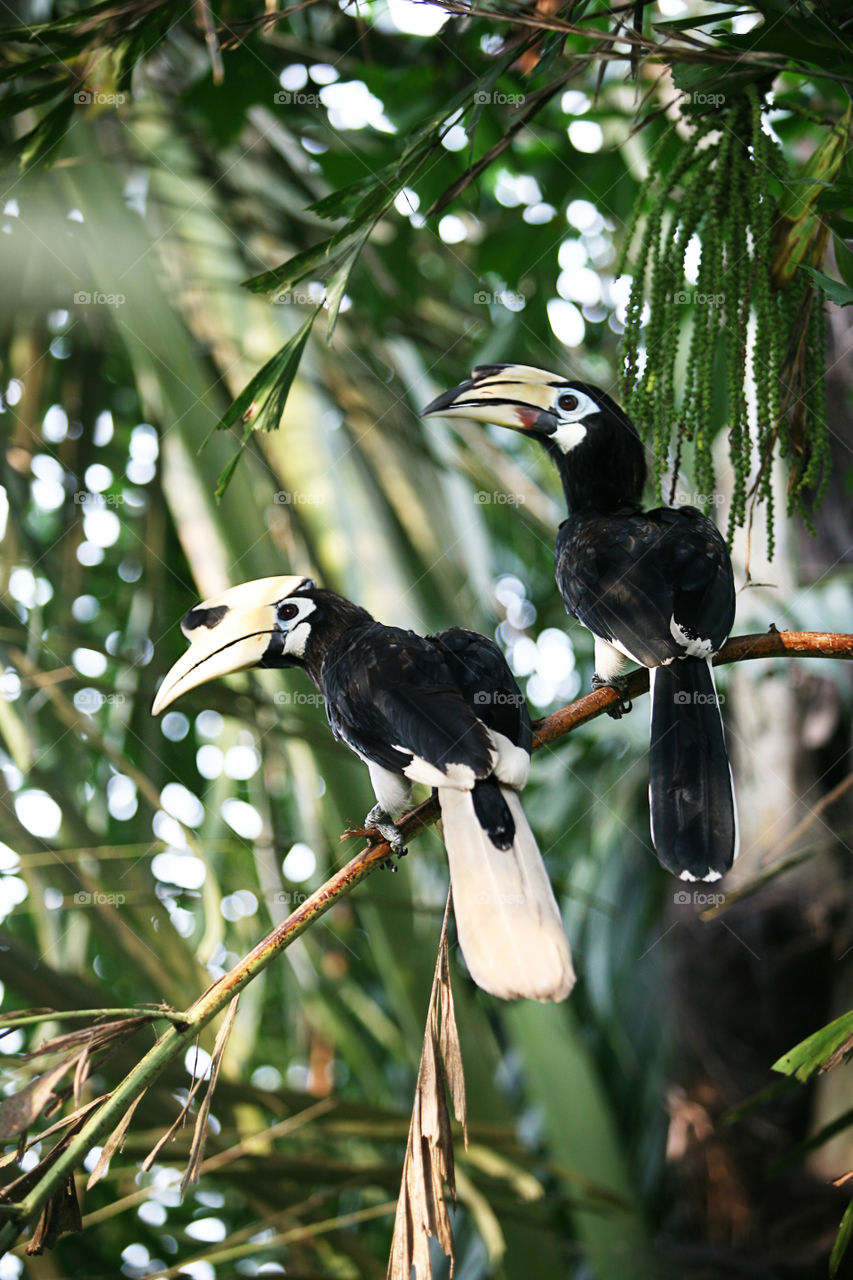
334, 617
607, 470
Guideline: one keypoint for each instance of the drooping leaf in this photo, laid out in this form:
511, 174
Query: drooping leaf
200, 1132
60, 1215
18, 1111
261, 403
428, 1165
819, 1052
114, 1143
842, 1240
842, 294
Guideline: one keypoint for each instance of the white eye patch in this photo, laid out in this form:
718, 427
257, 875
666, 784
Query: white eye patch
571, 408
291, 618
573, 405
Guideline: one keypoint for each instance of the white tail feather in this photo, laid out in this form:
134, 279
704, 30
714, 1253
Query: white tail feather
507, 919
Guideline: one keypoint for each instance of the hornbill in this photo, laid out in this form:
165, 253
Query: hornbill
442, 710
653, 586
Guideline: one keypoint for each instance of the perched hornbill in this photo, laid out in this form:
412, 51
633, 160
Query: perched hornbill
652, 586
442, 710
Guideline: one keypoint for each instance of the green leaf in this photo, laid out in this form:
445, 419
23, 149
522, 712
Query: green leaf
41, 145
844, 260
227, 473
261, 403
338, 283
821, 1051
842, 294
346, 200
12, 103
310, 262
842, 1240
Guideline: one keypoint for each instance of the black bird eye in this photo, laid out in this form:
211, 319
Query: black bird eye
286, 612
567, 402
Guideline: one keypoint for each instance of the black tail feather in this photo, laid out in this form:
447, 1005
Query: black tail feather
493, 813
694, 824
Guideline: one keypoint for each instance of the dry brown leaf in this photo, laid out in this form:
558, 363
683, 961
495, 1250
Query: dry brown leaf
57, 1127
200, 1131
428, 1166
172, 1130
15, 1015
95, 1036
60, 1215
81, 1074
113, 1144
19, 1111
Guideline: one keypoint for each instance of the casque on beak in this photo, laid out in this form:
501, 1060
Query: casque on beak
509, 395
228, 633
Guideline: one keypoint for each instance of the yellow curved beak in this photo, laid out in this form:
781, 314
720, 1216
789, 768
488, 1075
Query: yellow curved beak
230, 632
509, 395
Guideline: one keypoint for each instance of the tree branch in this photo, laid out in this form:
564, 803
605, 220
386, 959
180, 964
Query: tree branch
185, 1028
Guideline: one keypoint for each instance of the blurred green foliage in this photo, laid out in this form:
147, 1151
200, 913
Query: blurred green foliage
142, 858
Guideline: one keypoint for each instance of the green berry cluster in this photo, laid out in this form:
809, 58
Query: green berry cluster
747, 348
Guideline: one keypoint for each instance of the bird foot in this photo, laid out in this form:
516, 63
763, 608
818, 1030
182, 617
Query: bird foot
620, 684
379, 820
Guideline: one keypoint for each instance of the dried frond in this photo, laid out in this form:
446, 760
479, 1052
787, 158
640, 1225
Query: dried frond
421, 1207
191, 1173
113, 1144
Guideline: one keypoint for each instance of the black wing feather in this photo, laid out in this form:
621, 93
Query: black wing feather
481, 671
625, 576
388, 688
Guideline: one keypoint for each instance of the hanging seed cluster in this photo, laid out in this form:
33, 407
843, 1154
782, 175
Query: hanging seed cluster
686, 344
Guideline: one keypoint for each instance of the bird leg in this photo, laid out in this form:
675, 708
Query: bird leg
381, 821
620, 684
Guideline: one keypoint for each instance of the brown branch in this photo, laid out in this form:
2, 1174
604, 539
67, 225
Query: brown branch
181, 1034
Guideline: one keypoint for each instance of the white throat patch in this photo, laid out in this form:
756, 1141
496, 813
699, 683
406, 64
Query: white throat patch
296, 630
569, 435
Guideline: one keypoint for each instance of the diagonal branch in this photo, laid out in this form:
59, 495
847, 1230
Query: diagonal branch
185, 1028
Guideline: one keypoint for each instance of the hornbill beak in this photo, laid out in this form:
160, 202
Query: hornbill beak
228, 633
509, 395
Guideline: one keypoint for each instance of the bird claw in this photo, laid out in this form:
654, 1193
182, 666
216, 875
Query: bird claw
620, 685
379, 820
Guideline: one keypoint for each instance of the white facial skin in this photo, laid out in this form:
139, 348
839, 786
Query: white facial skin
291, 619
571, 408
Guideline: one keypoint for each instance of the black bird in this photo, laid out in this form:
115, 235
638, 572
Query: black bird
653, 586
442, 710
